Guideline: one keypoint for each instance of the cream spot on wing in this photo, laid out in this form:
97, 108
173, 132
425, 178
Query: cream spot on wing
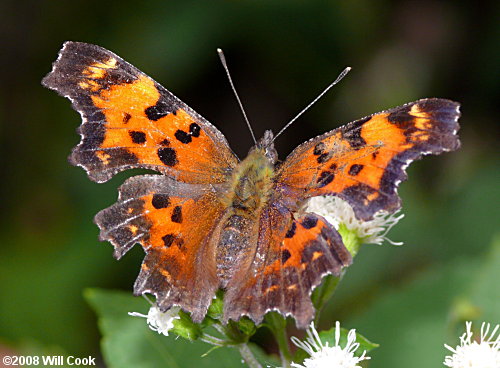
422, 119
98, 70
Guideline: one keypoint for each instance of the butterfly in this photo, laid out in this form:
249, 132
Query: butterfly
208, 220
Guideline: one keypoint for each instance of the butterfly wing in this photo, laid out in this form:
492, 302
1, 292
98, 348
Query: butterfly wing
129, 120
291, 257
173, 221
364, 161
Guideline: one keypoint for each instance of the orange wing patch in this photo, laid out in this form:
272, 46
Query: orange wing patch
174, 144
295, 259
130, 121
159, 213
364, 161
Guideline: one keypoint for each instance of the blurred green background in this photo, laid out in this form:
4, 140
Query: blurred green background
410, 299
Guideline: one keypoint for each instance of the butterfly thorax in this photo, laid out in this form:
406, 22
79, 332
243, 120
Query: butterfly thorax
250, 184
252, 179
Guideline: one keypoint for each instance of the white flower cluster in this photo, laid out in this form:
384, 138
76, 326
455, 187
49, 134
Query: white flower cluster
158, 321
484, 353
324, 356
337, 211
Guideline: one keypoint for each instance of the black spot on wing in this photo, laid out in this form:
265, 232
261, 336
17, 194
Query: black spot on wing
352, 133
160, 201
183, 137
126, 117
291, 232
168, 156
322, 158
137, 137
355, 169
186, 137
163, 107
194, 129
285, 255
177, 214
325, 178
168, 240
309, 222
156, 112
319, 148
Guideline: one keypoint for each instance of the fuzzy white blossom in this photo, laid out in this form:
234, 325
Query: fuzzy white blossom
484, 353
158, 321
337, 211
324, 356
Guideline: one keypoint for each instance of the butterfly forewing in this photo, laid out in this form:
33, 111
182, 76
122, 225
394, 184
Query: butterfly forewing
364, 161
129, 120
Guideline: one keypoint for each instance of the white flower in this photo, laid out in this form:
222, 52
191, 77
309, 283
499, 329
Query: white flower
337, 211
473, 354
323, 356
158, 321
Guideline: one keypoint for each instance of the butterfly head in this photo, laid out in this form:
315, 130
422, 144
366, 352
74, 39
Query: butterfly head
266, 145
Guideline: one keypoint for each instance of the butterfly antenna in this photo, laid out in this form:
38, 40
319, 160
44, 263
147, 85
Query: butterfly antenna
339, 78
224, 64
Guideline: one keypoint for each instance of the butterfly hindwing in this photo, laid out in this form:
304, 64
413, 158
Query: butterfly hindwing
291, 258
159, 213
364, 161
129, 120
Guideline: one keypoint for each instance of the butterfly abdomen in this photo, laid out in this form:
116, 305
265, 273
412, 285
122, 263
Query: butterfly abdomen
234, 243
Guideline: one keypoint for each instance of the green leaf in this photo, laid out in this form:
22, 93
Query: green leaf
128, 342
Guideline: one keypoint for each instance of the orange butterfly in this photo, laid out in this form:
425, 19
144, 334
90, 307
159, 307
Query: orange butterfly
210, 221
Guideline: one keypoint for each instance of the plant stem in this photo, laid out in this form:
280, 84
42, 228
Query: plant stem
248, 356
323, 293
209, 339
